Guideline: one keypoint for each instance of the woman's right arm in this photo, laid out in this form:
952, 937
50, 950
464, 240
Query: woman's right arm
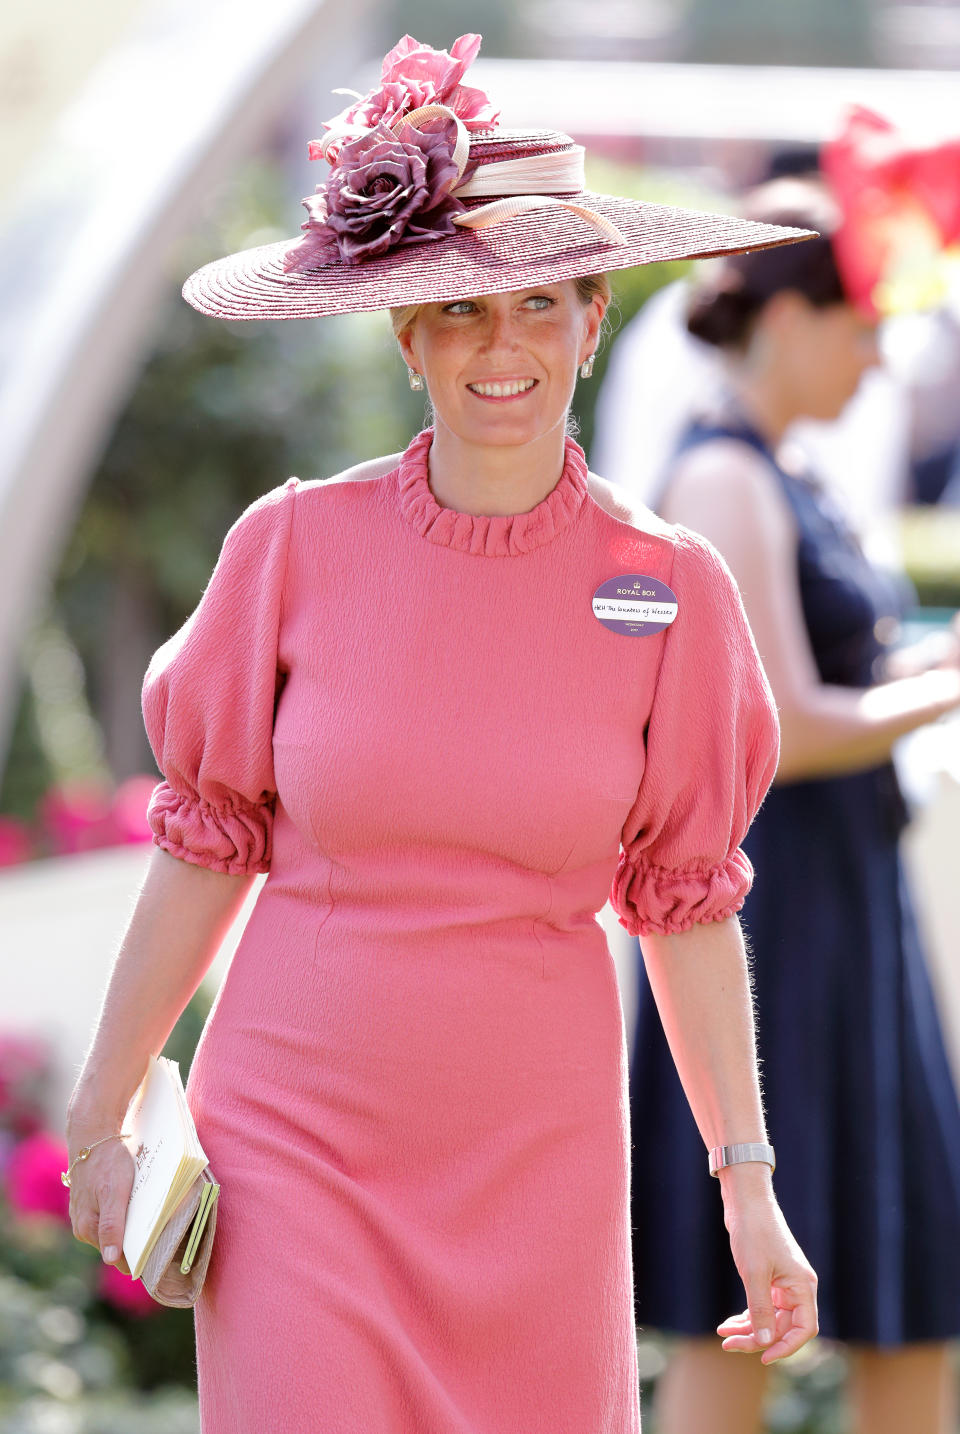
724, 492
180, 918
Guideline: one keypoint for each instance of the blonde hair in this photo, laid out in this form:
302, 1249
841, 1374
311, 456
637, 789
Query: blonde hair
586, 285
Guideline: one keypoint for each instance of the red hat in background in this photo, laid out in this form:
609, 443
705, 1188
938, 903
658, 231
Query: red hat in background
901, 214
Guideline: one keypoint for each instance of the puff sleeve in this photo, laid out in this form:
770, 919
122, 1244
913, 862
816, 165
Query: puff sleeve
209, 697
712, 744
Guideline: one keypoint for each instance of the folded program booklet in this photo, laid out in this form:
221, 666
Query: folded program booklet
169, 1158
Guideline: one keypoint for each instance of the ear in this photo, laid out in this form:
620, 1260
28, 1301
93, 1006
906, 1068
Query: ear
592, 319
407, 348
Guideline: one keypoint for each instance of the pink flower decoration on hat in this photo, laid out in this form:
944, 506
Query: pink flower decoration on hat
414, 75
385, 191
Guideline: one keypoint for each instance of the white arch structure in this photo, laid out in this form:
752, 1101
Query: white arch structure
83, 258
83, 255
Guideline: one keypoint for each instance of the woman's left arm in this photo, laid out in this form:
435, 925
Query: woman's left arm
700, 981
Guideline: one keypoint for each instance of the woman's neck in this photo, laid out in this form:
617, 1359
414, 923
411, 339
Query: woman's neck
494, 480
763, 403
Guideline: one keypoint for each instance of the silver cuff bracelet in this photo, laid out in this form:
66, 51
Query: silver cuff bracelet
723, 1155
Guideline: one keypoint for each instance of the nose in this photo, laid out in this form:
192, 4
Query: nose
499, 330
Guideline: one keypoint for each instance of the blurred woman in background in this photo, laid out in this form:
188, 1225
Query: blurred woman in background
860, 1098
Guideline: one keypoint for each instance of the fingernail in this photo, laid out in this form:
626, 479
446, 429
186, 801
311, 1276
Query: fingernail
764, 1337
110, 1254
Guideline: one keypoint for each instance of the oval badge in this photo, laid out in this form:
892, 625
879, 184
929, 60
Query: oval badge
634, 605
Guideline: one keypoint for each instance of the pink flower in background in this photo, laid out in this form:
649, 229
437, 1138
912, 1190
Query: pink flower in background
24, 1074
124, 1293
414, 75
87, 815
34, 1187
16, 844
128, 809
77, 816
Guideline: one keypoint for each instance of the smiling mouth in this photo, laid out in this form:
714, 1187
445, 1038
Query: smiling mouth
505, 388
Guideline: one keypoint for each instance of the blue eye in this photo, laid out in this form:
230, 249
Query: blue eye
461, 306
541, 301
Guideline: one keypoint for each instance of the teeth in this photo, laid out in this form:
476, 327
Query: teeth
503, 390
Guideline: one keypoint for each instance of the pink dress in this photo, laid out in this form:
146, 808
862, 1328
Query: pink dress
412, 1085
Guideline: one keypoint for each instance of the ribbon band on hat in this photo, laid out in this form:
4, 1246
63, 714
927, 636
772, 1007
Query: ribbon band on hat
501, 209
508, 181
555, 172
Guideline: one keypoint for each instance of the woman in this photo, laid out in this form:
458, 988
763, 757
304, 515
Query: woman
856, 1084
396, 697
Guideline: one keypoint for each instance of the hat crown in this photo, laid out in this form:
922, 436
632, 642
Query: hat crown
493, 144
502, 162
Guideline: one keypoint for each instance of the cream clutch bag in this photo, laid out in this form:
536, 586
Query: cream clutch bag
177, 1264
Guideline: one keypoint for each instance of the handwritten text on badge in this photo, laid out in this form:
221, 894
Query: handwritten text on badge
634, 605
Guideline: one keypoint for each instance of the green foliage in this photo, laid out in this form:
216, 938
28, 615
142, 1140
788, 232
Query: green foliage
182, 1042
71, 1359
631, 287
221, 413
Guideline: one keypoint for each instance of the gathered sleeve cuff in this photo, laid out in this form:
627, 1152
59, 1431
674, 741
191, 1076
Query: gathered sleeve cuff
712, 746
209, 698
654, 898
234, 837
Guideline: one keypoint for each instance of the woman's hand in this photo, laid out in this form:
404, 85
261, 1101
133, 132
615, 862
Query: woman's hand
780, 1285
100, 1191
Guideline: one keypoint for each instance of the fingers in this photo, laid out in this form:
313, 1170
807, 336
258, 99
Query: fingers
98, 1205
736, 1324
761, 1312
739, 1336
110, 1229
792, 1340
793, 1324
86, 1224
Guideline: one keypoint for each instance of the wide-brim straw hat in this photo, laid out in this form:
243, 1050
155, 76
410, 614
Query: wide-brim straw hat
524, 219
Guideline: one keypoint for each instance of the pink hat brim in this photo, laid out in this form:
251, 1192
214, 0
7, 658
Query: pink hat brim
543, 246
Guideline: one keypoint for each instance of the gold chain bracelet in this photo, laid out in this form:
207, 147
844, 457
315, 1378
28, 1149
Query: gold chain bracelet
85, 1150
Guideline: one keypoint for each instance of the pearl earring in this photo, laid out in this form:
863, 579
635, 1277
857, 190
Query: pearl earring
586, 368
416, 380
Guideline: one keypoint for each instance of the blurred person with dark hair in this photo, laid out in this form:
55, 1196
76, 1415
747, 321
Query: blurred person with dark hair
859, 1095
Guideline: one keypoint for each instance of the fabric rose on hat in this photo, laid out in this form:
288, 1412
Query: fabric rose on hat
385, 191
413, 75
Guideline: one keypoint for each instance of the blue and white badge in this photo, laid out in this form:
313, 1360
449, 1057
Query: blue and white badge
634, 605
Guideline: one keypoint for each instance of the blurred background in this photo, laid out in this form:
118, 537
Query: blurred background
140, 138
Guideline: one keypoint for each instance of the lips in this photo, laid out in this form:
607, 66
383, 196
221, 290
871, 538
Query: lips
502, 388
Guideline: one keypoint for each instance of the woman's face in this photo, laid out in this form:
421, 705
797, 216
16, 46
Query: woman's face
824, 353
501, 368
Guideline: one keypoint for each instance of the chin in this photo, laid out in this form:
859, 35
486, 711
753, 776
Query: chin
509, 431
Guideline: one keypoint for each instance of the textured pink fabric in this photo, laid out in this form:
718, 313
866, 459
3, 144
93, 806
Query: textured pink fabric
712, 748
413, 1083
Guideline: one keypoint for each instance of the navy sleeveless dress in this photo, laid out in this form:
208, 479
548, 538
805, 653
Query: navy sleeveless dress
860, 1100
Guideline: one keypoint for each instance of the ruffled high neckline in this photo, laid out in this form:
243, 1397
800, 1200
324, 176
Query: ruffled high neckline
501, 536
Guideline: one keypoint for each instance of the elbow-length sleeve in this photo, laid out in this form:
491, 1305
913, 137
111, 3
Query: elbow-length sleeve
712, 745
209, 697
